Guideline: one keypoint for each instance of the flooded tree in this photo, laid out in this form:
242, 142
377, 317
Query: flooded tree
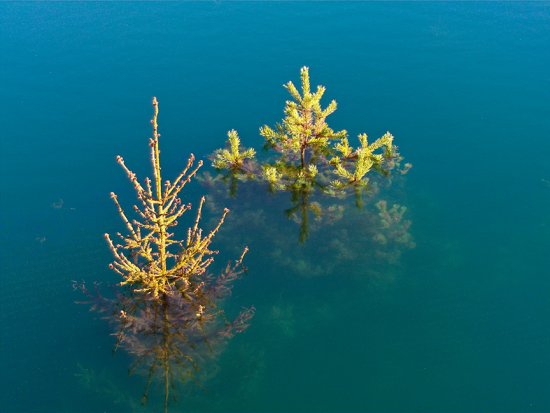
167, 309
307, 158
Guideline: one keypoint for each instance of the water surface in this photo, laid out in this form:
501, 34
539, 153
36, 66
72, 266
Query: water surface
457, 324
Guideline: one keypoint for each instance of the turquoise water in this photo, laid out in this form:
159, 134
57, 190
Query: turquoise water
459, 323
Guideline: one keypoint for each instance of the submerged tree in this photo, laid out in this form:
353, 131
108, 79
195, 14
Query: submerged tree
309, 156
167, 310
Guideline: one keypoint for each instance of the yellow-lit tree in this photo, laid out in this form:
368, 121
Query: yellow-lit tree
167, 309
308, 155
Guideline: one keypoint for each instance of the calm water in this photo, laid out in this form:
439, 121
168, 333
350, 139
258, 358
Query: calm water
460, 323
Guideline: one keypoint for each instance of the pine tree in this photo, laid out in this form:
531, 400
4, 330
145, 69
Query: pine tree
304, 131
167, 309
307, 155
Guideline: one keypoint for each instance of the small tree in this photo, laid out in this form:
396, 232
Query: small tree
167, 308
304, 132
307, 155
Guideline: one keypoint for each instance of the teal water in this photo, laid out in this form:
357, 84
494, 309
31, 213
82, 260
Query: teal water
459, 323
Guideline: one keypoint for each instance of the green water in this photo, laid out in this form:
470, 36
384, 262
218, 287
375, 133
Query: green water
459, 323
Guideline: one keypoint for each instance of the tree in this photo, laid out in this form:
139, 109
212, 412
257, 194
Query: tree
167, 309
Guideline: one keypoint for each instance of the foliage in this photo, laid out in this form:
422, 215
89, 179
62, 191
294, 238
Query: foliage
394, 227
308, 153
303, 133
308, 156
232, 158
167, 307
